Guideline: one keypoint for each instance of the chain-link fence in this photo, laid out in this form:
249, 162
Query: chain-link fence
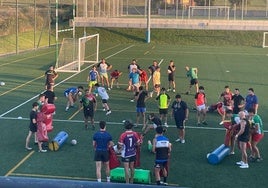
30, 24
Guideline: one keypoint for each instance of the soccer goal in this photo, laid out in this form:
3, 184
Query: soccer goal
74, 53
265, 42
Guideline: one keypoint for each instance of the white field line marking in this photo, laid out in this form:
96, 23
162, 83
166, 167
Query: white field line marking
118, 123
62, 82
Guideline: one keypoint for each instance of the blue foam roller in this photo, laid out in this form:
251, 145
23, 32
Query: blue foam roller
218, 154
58, 141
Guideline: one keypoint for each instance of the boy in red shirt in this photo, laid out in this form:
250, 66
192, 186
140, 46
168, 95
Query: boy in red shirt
114, 77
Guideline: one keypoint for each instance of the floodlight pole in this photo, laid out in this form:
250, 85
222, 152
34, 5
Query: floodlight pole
148, 32
57, 34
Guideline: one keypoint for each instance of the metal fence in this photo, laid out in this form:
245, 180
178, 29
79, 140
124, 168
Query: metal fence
31, 24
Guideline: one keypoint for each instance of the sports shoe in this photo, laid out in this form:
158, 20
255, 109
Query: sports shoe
240, 163
187, 93
259, 159
108, 112
183, 141
163, 183
132, 100
42, 151
93, 127
66, 109
178, 140
232, 153
28, 148
204, 123
252, 159
109, 88
245, 165
151, 94
166, 125
168, 90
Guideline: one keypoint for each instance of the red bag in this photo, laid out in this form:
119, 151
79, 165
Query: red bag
137, 163
113, 160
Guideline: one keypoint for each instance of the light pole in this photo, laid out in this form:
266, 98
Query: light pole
148, 32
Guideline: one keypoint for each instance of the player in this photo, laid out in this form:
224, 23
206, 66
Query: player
93, 78
72, 94
162, 149
89, 103
104, 97
134, 79
192, 74
141, 97
155, 122
114, 78
163, 103
200, 103
128, 142
132, 65
171, 76
143, 78
50, 75
104, 67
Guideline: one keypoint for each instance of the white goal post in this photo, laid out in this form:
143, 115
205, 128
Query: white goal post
74, 53
264, 42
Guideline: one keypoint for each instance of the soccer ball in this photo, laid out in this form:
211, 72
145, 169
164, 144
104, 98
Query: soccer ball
2, 83
73, 142
80, 93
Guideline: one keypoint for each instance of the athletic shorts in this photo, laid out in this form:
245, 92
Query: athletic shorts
88, 113
104, 101
92, 83
33, 128
102, 156
171, 77
180, 124
129, 159
201, 107
193, 81
105, 75
140, 109
257, 137
161, 164
163, 111
137, 85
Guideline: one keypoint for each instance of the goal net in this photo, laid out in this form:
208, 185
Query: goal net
74, 53
265, 40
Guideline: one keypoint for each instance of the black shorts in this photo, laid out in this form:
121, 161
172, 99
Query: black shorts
180, 124
171, 77
163, 111
160, 164
104, 101
194, 81
88, 113
102, 156
129, 159
33, 128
